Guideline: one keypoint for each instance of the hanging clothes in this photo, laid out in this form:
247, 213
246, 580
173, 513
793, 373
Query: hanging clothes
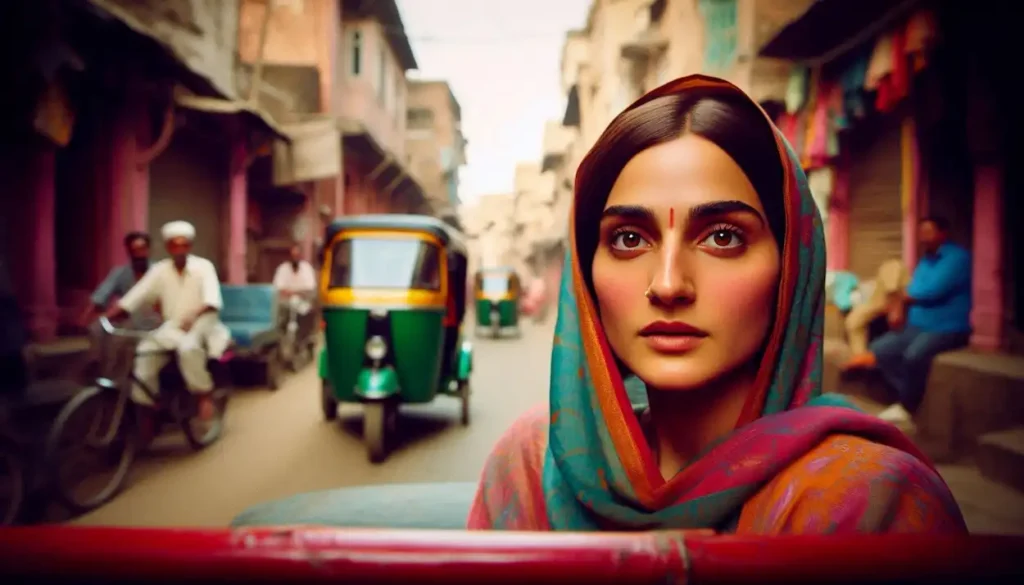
820, 124
853, 81
895, 86
796, 89
880, 63
922, 33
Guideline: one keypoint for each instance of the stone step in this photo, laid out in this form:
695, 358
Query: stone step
1000, 457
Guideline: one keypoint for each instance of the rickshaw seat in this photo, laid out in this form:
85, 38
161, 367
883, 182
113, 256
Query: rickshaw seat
412, 505
250, 312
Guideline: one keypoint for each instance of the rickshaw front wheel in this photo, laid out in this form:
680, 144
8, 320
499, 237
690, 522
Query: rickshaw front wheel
375, 427
327, 401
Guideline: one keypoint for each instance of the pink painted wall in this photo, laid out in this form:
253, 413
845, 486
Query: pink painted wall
39, 291
987, 278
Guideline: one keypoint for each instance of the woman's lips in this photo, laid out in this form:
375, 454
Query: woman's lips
673, 343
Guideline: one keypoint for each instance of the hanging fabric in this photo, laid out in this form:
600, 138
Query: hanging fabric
796, 89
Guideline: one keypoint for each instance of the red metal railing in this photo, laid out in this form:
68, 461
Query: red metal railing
71, 554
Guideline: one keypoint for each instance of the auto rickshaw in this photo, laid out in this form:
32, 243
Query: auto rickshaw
393, 296
497, 292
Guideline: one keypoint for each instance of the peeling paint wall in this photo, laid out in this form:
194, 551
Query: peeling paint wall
202, 34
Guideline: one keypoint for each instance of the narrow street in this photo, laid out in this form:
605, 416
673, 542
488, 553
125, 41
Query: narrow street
277, 444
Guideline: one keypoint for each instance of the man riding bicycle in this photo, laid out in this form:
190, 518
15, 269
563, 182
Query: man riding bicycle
188, 290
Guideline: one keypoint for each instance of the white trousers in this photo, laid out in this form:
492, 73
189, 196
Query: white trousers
207, 337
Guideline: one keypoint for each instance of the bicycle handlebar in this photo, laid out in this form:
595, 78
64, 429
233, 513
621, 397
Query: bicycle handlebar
109, 329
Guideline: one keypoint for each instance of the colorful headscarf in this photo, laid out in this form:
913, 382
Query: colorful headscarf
599, 471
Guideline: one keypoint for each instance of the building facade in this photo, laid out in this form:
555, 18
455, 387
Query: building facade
435, 144
125, 116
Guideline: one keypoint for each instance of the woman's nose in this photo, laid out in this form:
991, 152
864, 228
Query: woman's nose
671, 284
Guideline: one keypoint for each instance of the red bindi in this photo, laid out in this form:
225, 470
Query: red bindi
671, 217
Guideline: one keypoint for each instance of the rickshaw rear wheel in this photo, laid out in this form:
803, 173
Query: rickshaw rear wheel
327, 401
375, 427
275, 368
464, 392
12, 467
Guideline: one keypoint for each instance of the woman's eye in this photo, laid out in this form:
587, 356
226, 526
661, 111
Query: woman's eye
628, 240
723, 240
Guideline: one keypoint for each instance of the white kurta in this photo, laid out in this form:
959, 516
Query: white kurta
181, 296
296, 281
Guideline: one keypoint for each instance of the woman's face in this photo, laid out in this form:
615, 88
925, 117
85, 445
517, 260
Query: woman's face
686, 268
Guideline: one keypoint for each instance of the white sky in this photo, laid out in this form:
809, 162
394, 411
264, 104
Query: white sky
502, 60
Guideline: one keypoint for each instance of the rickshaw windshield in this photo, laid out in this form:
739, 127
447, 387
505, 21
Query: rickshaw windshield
386, 263
494, 285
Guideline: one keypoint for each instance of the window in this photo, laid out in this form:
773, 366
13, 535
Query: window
356, 52
386, 263
417, 118
382, 75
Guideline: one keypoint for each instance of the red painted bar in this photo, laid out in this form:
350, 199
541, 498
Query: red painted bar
78, 554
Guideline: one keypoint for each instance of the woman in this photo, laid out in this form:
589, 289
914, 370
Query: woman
697, 264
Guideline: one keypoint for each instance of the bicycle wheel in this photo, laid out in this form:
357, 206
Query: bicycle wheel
90, 448
13, 481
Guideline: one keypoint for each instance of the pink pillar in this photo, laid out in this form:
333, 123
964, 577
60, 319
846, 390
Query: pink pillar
40, 299
238, 216
138, 173
914, 205
987, 276
838, 234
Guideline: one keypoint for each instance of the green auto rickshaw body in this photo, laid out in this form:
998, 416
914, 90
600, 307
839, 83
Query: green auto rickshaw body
393, 291
496, 298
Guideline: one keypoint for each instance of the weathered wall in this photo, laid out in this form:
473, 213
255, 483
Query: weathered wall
203, 34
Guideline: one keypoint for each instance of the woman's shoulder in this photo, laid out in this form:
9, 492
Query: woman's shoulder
510, 494
525, 440
852, 484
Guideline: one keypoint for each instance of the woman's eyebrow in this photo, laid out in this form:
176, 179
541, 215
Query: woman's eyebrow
630, 212
703, 211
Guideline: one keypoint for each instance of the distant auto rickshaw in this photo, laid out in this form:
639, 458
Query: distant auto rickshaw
497, 292
393, 296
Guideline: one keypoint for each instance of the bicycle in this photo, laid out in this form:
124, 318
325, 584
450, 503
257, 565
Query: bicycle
118, 439
13, 479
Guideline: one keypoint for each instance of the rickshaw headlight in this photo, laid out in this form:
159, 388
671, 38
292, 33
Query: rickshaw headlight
378, 313
376, 348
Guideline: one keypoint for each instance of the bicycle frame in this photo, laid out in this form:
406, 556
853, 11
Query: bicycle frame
125, 389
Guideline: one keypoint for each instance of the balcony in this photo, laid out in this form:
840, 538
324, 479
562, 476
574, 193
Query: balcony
646, 46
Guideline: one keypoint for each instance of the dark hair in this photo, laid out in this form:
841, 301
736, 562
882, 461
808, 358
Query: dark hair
132, 236
940, 223
725, 117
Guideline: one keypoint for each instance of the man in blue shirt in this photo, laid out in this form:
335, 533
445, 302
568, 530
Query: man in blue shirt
932, 316
113, 355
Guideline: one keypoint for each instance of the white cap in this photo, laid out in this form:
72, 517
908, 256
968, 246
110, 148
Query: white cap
178, 229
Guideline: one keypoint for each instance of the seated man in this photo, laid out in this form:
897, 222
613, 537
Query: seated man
938, 319
188, 290
295, 281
